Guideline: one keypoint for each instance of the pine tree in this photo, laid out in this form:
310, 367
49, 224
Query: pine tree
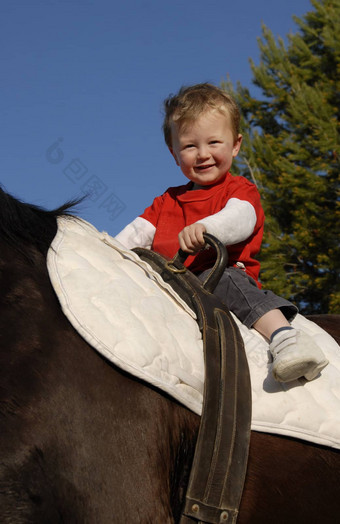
291, 149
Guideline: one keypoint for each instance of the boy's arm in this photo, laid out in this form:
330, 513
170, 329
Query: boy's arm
233, 224
139, 233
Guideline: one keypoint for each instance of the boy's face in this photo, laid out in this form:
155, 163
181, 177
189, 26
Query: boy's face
204, 149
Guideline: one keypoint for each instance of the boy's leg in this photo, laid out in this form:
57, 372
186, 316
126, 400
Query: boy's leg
249, 303
270, 322
294, 353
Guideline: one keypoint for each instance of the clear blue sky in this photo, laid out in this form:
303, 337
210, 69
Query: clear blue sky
83, 83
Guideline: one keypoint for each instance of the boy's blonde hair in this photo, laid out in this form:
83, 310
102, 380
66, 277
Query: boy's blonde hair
192, 101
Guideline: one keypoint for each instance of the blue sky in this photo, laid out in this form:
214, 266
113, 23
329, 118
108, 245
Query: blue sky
83, 83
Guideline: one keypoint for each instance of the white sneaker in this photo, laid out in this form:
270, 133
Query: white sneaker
295, 355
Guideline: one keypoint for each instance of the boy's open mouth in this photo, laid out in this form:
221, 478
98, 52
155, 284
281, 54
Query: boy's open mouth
202, 168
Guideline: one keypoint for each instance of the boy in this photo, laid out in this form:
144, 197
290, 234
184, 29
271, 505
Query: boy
201, 129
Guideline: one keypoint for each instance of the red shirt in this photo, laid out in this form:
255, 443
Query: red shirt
181, 206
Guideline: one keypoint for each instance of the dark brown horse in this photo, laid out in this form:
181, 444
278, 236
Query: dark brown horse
83, 442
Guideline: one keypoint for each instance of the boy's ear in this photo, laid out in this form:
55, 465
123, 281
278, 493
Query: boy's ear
174, 155
237, 145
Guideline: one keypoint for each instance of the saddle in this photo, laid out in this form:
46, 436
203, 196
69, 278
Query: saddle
220, 461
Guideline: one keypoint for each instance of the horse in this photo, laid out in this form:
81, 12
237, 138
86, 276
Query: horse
81, 441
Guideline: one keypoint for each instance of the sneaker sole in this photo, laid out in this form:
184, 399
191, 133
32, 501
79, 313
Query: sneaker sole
299, 371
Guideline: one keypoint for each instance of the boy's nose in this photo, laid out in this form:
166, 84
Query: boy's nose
203, 153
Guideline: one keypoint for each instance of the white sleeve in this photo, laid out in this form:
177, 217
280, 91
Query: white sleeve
233, 224
139, 233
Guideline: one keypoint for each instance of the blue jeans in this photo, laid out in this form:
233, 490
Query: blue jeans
240, 294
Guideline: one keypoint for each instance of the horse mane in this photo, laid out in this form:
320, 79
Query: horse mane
27, 225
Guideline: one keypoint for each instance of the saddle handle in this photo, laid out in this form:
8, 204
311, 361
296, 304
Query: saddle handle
210, 283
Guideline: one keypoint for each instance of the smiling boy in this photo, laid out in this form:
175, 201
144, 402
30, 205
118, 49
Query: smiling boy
201, 129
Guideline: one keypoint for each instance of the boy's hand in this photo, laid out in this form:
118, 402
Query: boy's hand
191, 238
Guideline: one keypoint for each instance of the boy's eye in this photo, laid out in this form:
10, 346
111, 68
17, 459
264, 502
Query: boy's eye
188, 146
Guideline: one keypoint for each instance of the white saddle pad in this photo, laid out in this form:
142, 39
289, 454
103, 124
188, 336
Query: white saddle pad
127, 313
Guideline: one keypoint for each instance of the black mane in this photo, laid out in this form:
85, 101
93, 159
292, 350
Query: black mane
24, 225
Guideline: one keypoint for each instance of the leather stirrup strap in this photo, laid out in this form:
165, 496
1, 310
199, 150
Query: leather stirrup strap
220, 461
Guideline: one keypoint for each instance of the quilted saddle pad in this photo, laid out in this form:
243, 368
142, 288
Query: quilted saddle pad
127, 313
